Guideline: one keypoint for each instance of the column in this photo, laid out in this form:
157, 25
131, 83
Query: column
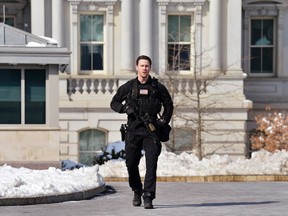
215, 33
74, 37
162, 37
281, 63
110, 34
38, 17
57, 21
127, 60
234, 25
145, 27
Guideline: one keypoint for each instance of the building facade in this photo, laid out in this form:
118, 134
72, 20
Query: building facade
240, 42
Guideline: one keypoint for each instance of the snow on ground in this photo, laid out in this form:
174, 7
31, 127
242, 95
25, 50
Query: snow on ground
23, 182
184, 164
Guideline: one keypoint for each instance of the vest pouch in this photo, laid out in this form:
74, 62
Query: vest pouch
150, 106
164, 132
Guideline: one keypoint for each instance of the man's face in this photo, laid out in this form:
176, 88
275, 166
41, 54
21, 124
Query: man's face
143, 68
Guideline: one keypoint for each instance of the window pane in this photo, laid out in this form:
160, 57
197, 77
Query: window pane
267, 60
85, 28
8, 21
268, 32
185, 57
256, 31
97, 28
10, 96
91, 142
173, 57
91, 28
178, 57
97, 57
185, 28
173, 28
35, 97
184, 139
85, 52
255, 60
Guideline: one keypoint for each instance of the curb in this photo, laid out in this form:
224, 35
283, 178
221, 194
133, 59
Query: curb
81, 195
213, 178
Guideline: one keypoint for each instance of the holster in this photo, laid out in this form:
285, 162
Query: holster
123, 130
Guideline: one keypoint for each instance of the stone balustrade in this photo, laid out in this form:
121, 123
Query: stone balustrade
108, 86
92, 86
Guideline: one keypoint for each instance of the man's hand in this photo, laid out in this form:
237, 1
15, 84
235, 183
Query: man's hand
127, 109
160, 123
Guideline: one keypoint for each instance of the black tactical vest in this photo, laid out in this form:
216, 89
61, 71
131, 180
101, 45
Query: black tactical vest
147, 96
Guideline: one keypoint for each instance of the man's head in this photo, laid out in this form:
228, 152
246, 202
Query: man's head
143, 67
143, 57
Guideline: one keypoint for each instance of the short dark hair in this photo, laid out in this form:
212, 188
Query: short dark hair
143, 57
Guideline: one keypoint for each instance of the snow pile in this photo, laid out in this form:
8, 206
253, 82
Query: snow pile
22, 182
185, 164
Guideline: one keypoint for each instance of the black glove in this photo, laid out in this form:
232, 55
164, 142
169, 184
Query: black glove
160, 123
127, 109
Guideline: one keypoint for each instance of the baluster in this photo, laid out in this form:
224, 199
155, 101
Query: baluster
70, 88
77, 88
99, 88
187, 89
92, 87
192, 87
106, 87
84, 87
114, 87
180, 88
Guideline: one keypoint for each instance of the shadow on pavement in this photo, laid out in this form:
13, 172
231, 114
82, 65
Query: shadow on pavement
107, 191
216, 204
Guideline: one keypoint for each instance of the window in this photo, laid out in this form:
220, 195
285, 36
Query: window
14, 110
10, 96
35, 105
91, 42
262, 42
179, 42
8, 21
91, 143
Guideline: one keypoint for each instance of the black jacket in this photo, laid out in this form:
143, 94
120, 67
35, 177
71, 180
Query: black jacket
161, 94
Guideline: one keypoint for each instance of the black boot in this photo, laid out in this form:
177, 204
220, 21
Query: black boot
148, 203
137, 198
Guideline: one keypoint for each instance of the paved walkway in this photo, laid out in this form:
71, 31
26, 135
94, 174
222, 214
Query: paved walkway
173, 198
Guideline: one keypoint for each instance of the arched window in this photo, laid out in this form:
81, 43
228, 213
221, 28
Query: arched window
91, 142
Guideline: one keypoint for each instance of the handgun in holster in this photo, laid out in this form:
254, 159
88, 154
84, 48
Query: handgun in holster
123, 130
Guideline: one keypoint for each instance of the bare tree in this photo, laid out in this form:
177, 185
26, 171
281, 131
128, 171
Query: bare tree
193, 100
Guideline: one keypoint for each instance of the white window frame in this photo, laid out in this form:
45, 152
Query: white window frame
178, 7
94, 43
105, 8
182, 43
263, 46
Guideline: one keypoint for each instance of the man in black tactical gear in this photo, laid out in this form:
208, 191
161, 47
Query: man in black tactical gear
143, 127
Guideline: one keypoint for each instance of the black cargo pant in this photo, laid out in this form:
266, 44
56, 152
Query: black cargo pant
136, 141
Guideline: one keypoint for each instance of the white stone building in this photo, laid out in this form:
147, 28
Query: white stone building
104, 39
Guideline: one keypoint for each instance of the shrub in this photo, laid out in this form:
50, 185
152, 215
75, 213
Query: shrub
271, 133
106, 156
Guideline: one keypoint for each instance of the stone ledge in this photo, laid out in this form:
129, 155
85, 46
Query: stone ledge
36, 165
81, 195
214, 178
